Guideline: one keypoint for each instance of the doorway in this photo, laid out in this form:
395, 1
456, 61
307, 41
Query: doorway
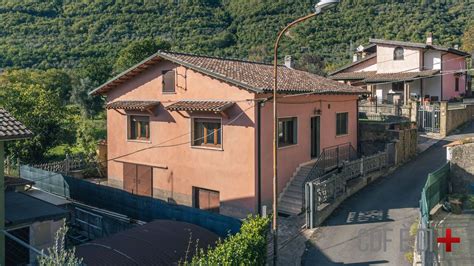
315, 136
138, 179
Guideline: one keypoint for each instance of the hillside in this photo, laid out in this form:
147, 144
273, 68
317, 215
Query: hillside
61, 34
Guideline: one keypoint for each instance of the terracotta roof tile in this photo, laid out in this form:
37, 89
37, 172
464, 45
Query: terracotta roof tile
206, 106
132, 105
10, 128
352, 75
400, 76
255, 77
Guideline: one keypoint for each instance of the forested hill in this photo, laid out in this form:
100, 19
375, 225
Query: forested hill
62, 33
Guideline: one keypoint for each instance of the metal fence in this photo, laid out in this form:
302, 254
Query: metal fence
138, 207
429, 118
434, 192
330, 187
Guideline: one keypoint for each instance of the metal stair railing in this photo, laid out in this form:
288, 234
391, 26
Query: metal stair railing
329, 159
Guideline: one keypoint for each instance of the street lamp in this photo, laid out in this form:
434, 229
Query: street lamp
319, 7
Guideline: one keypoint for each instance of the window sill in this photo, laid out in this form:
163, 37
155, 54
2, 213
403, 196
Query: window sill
342, 135
139, 141
207, 148
168, 92
287, 146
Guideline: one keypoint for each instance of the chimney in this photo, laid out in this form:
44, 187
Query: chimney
429, 38
355, 57
288, 61
456, 46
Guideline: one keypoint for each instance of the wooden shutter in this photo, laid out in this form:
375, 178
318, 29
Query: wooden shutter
130, 177
168, 81
144, 180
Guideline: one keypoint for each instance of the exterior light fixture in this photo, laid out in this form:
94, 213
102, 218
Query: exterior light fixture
324, 4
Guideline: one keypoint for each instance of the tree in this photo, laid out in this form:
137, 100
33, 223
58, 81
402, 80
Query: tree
58, 254
468, 39
40, 110
136, 51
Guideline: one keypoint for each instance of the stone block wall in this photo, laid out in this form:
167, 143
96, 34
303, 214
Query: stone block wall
373, 138
453, 118
462, 168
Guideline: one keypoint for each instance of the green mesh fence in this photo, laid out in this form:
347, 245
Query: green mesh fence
434, 191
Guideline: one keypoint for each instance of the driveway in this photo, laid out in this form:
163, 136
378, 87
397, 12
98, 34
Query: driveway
366, 229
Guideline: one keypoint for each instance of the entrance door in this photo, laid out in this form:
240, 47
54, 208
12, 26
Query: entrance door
206, 199
315, 136
138, 179
144, 180
130, 177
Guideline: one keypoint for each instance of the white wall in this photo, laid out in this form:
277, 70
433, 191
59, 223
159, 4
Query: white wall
386, 64
432, 60
42, 235
432, 86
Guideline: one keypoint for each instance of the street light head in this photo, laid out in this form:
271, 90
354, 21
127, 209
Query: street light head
324, 5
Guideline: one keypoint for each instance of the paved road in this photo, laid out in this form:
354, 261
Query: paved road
390, 204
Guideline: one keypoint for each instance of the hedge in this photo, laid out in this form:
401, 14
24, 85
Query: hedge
247, 247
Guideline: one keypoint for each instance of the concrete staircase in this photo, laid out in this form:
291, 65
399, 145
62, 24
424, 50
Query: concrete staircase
290, 201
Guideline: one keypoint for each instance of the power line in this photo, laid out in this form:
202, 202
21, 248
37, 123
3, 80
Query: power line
160, 145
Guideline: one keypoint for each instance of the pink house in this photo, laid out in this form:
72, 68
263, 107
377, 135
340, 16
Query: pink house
197, 130
396, 71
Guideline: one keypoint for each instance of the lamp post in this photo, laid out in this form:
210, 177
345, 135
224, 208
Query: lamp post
319, 7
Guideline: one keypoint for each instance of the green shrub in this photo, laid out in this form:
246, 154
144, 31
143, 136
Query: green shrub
247, 247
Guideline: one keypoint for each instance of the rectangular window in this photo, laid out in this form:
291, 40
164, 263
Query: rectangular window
206, 199
342, 123
207, 132
139, 127
456, 83
168, 81
287, 131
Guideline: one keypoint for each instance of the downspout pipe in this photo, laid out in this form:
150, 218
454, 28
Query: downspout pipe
259, 157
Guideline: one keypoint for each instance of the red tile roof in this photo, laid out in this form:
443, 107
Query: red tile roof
374, 77
206, 106
132, 105
253, 76
10, 128
400, 76
353, 75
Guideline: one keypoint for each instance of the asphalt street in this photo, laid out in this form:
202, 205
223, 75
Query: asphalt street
370, 227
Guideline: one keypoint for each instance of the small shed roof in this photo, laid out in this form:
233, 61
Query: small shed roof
133, 105
161, 242
10, 128
23, 209
203, 106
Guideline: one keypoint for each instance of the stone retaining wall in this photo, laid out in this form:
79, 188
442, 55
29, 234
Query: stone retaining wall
462, 168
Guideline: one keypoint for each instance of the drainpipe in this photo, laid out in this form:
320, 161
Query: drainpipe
2, 206
259, 159
357, 125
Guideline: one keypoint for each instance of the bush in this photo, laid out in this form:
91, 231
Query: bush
247, 247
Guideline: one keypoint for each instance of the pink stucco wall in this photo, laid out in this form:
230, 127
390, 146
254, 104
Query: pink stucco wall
232, 170
449, 63
303, 107
368, 65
